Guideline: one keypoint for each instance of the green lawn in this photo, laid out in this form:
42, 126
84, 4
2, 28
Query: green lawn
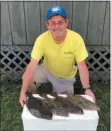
11, 109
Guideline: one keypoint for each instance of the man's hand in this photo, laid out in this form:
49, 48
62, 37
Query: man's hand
22, 99
90, 93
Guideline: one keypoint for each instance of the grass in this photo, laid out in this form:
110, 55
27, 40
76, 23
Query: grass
11, 109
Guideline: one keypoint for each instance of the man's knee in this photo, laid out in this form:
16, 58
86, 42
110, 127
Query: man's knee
32, 88
23, 76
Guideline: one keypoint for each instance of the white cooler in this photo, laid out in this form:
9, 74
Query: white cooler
86, 122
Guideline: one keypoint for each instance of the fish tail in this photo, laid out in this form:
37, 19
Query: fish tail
29, 94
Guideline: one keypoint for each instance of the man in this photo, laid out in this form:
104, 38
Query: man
61, 49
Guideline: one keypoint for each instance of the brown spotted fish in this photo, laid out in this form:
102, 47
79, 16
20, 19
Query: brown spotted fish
36, 108
54, 105
81, 101
71, 107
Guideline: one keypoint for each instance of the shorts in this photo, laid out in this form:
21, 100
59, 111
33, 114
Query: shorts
59, 84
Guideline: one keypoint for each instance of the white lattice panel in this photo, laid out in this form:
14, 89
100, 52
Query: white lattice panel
14, 59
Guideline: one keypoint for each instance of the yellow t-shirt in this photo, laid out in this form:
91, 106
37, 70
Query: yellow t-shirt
60, 59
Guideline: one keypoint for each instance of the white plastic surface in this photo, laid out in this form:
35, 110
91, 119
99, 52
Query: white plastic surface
86, 122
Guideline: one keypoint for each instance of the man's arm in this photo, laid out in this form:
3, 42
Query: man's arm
84, 74
28, 78
29, 74
84, 77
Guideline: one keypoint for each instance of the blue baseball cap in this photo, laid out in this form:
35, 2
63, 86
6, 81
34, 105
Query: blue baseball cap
56, 10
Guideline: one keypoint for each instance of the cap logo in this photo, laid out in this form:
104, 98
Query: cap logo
55, 9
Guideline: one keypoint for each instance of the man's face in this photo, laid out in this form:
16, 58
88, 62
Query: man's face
57, 25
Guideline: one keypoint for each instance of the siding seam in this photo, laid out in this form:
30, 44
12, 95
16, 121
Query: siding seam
103, 24
40, 17
25, 23
87, 24
10, 23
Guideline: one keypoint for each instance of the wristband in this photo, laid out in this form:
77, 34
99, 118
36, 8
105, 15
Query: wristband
86, 88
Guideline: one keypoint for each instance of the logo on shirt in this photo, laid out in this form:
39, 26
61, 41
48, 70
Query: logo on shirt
68, 53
